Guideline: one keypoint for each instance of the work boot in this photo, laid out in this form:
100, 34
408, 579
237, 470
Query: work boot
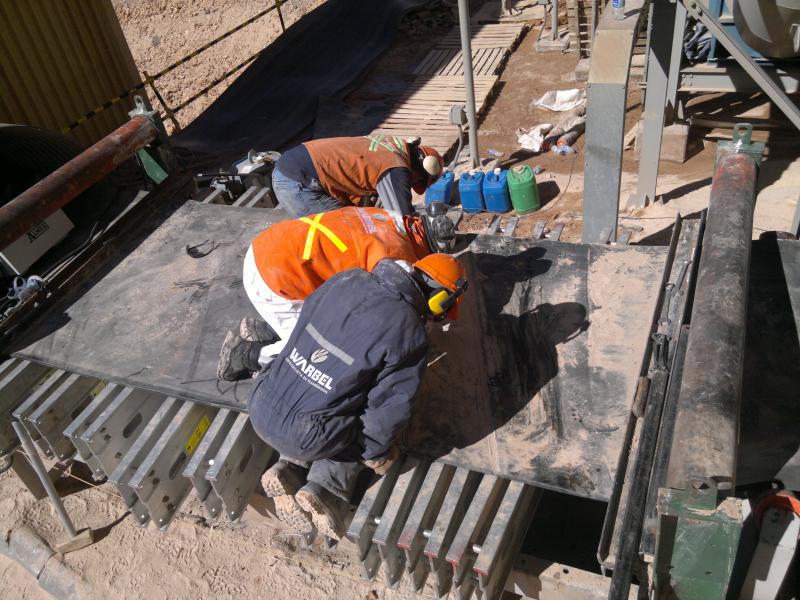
288, 511
283, 478
327, 510
238, 358
256, 330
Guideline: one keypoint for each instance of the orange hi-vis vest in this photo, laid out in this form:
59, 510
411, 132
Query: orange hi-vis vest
295, 257
350, 167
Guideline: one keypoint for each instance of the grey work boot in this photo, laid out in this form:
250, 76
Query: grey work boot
255, 330
327, 510
283, 478
238, 358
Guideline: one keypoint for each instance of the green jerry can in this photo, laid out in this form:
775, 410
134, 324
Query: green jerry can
523, 188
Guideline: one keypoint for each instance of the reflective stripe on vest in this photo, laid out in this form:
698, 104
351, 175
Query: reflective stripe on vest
313, 226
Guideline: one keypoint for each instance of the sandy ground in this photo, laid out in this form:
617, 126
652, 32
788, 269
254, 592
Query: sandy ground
255, 558
251, 559
160, 32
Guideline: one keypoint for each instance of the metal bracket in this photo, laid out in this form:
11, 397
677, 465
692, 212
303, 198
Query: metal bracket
741, 143
157, 172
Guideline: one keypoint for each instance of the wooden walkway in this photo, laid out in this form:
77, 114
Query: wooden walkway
424, 108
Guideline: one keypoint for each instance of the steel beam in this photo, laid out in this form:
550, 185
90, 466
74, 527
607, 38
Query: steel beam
462, 488
82, 423
238, 465
159, 481
728, 76
34, 205
412, 538
605, 121
203, 459
138, 452
17, 379
114, 431
59, 409
394, 516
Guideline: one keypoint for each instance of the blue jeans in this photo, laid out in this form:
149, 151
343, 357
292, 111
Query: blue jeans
299, 200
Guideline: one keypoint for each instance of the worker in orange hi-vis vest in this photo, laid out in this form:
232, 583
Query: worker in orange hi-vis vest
286, 263
327, 174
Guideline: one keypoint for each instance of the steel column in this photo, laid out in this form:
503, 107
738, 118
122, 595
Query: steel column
605, 122
37, 203
466, 51
707, 421
659, 68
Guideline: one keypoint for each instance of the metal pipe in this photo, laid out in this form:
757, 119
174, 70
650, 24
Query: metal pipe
707, 422
466, 51
37, 203
36, 462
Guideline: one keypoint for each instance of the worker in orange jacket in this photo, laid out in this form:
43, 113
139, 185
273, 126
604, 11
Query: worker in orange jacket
327, 174
286, 263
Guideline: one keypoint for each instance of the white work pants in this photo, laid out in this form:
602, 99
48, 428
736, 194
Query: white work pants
279, 313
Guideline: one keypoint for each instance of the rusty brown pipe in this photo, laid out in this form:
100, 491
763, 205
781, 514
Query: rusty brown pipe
40, 201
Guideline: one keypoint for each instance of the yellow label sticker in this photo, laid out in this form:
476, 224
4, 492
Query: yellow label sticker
199, 432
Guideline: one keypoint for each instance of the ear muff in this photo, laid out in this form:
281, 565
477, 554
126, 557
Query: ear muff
432, 166
442, 300
438, 300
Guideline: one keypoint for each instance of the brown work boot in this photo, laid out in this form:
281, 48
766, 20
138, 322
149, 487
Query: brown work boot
283, 479
288, 511
327, 510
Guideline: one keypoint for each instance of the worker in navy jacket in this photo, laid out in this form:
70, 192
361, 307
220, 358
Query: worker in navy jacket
343, 387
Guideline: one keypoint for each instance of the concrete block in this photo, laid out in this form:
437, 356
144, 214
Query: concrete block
675, 143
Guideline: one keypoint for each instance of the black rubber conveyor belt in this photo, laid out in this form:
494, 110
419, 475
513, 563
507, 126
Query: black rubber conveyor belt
275, 99
533, 382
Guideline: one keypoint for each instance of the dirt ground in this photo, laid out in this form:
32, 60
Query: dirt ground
160, 32
256, 558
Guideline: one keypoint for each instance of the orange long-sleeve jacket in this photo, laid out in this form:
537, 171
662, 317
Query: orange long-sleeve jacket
295, 257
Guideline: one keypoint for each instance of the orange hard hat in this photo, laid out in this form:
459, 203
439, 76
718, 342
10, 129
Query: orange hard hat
432, 165
443, 271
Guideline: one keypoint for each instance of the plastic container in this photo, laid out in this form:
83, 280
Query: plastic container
441, 190
523, 189
470, 189
495, 192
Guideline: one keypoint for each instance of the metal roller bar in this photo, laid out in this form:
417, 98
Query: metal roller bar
17, 379
246, 197
364, 522
500, 549
238, 466
510, 226
114, 431
707, 422
84, 420
59, 409
473, 530
261, 196
158, 482
494, 225
34, 205
137, 453
462, 489
426, 507
394, 516
203, 459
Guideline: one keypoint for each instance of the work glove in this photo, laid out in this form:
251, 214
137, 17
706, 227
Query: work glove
381, 466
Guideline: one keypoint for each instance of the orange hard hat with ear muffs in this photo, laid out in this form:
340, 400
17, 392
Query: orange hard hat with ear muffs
445, 276
427, 162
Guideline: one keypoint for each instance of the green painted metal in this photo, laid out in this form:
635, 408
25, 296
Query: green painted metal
741, 142
696, 542
152, 168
